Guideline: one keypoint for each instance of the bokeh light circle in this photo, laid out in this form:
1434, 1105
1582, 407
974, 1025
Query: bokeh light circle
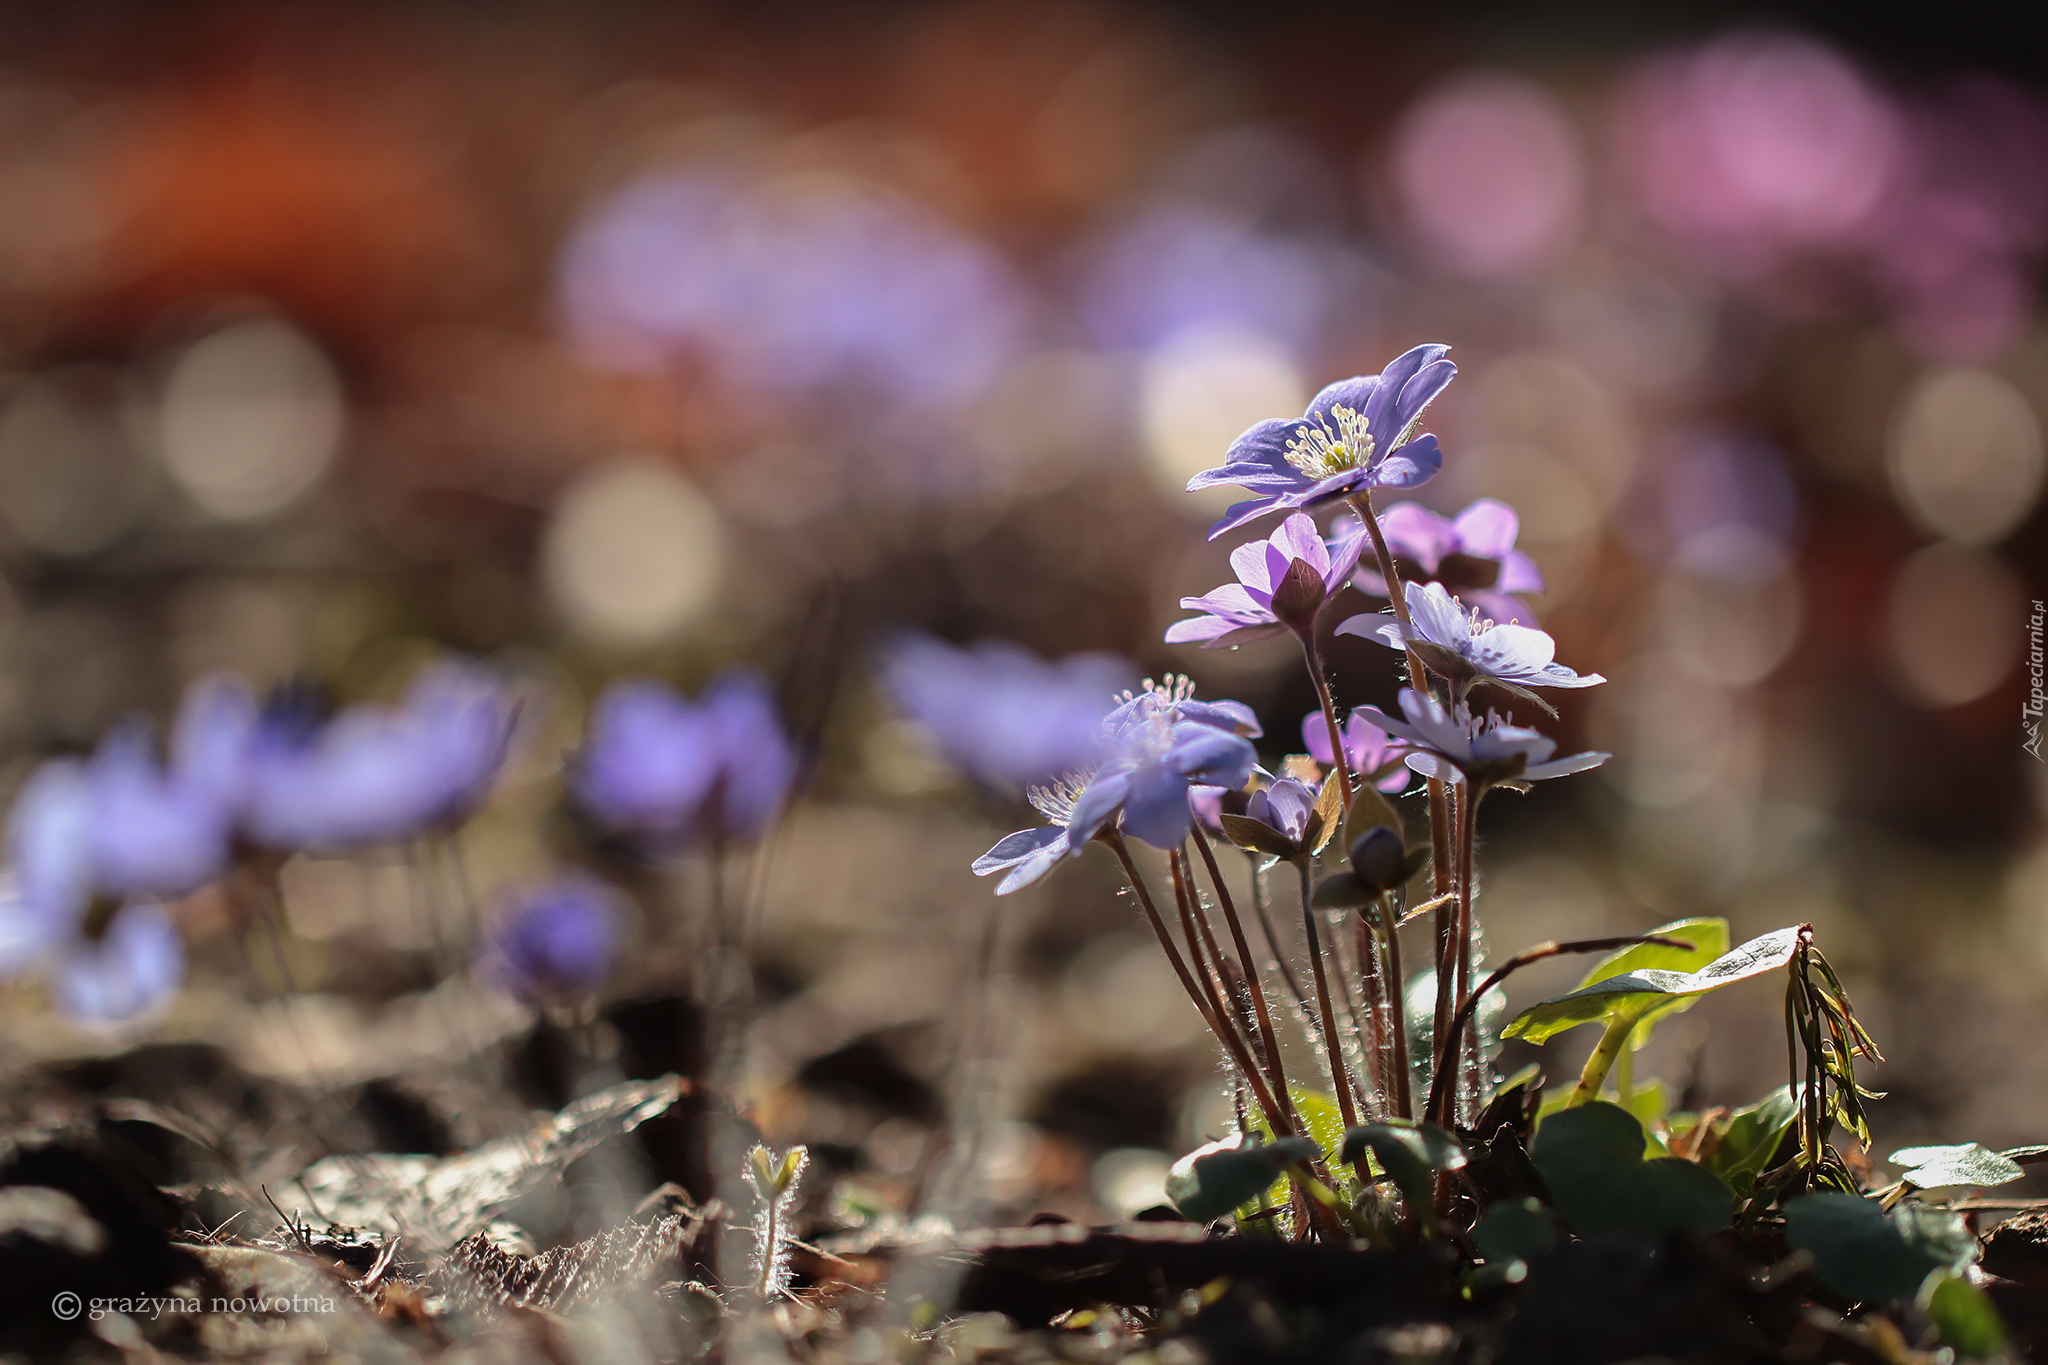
634, 554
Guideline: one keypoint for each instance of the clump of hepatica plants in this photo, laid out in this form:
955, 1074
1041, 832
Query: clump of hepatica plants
1404, 1135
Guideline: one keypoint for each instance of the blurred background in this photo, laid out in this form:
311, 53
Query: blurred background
609, 338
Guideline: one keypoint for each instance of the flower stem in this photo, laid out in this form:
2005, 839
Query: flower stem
1261, 906
1269, 1040
1217, 1026
1220, 976
1332, 1044
1467, 1043
1338, 758
1402, 1092
1439, 823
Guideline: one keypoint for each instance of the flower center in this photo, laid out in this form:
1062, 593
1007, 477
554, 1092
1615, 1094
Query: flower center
1055, 800
1319, 452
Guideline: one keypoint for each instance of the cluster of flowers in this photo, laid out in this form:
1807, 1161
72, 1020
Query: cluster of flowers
1161, 765
101, 846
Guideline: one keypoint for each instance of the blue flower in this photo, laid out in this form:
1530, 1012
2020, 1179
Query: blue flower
671, 774
1358, 434
554, 940
1284, 807
105, 958
374, 774
1282, 583
1473, 554
1160, 744
1455, 746
1005, 716
1466, 649
1366, 747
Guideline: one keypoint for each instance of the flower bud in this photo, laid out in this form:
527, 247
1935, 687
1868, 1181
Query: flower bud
1379, 859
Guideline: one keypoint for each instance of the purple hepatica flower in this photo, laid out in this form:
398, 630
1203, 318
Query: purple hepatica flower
375, 774
1473, 554
1162, 745
1366, 746
1358, 434
1284, 807
156, 830
105, 959
1469, 649
555, 940
1005, 716
1281, 584
1453, 746
672, 774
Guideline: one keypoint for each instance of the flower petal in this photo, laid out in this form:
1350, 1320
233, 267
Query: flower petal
1232, 717
1014, 848
1255, 458
1357, 393
1242, 512
1097, 807
1515, 653
1417, 534
1518, 573
1437, 617
1435, 765
1487, 529
1411, 466
1156, 810
1203, 754
1561, 767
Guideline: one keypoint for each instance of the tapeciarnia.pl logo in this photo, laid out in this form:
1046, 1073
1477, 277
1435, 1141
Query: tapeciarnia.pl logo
2030, 710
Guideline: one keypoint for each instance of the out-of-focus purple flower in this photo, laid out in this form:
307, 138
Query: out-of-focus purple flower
1005, 716
133, 966
794, 288
1465, 650
1358, 434
672, 774
1366, 747
1758, 143
1489, 173
554, 940
1162, 748
1282, 584
156, 831
1181, 267
1455, 746
376, 774
1473, 554
104, 960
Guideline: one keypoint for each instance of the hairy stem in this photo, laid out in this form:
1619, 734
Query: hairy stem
1261, 905
1439, 823
1332, 1044
1467, 1042
1269, 1040
1402, 1093
1313, 652
1225, 1035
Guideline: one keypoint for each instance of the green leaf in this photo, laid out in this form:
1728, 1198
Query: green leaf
1591, 1157
1515, 1230
1671, 1195
1582, 1154
1212, 1180
1410, 1153
1368, 808
1259, 837
1961, 1163
1646, 992
1939, 1233
1320, 1114
1968, 1321
1752, 1138
1857, 1251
